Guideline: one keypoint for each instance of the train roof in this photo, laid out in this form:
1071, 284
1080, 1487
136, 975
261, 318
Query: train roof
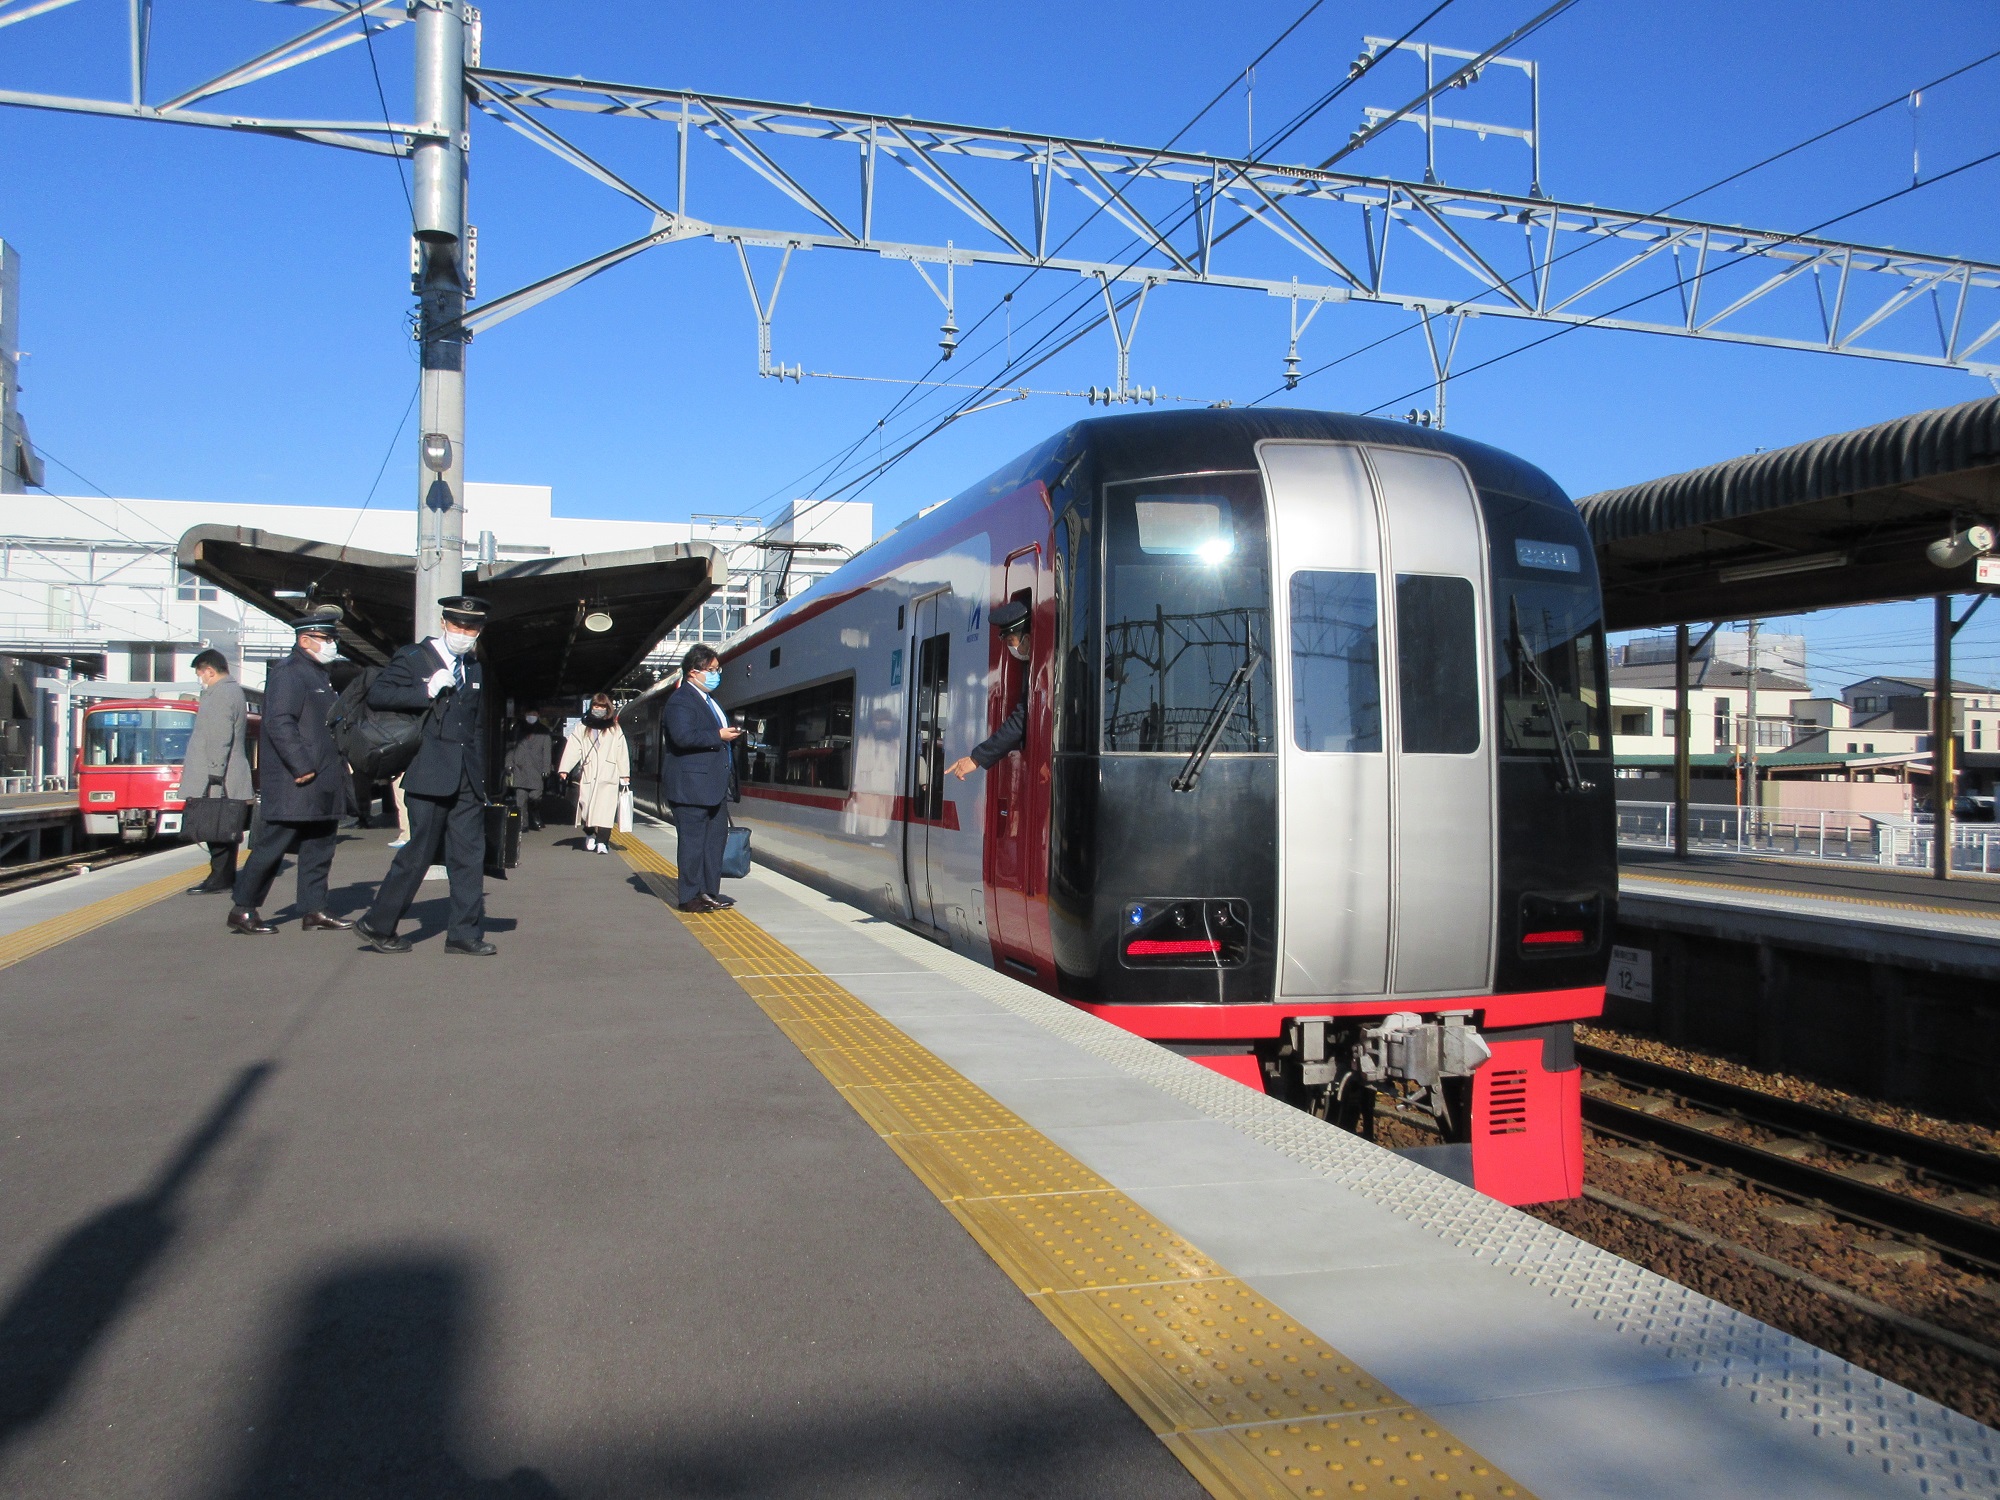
1137, 445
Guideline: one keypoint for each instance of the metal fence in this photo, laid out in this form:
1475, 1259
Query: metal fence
1832, 836
12, 786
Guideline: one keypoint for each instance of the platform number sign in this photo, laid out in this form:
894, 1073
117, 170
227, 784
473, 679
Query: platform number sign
1986, 572
1631, 976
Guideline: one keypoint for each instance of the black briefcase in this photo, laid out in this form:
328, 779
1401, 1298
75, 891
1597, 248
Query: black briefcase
214, 820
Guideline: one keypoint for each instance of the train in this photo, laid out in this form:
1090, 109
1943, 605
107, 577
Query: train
1316, 783
128, 766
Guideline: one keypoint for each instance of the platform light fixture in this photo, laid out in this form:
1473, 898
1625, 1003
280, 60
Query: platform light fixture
1960, 547
437, 452
598, 620
1782, 567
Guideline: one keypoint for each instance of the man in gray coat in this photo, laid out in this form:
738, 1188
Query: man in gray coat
304, 788
218, 759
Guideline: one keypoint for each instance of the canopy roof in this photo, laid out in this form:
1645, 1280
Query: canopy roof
535, 637
1839, 520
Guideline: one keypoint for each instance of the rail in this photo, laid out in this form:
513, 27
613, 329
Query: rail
1962, 1237
1822, 835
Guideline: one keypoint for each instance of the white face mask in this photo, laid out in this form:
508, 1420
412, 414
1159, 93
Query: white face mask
458, 642
322, 651
534, 718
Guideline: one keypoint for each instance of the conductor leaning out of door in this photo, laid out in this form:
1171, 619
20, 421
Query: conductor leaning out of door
1011, 620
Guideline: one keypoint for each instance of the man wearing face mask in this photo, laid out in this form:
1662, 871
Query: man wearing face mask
304, 785
1011, 620
445, 785
698, 779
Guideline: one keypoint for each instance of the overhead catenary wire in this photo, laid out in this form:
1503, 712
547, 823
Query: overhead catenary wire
1762, 250
830, 468
1682, 201
1014, 364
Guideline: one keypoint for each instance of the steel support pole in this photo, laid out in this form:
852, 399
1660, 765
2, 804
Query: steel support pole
1941, 756
439, 205
1682, 770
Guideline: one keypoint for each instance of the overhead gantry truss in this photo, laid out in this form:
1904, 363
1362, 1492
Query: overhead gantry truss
352, 22
1424, 247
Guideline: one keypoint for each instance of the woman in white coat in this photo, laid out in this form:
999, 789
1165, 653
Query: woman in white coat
597, 752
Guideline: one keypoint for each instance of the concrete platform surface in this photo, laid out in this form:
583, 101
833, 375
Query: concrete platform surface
280, 1216
283, 1217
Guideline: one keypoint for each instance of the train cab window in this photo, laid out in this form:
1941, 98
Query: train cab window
137, 737
1551, 658
803, 739
1187, 601
1437, 664
1336, 667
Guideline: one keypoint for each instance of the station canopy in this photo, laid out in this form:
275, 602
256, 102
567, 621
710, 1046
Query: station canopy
1840, 520
537, 637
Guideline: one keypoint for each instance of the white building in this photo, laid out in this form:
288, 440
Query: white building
89, 586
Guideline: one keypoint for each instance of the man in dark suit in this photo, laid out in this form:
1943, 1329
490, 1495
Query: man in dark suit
304, 785
1011, 621
698, 779
445, 785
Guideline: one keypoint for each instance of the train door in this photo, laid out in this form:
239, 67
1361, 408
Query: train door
1007, 791
1335, 777
923, 804
1444, 772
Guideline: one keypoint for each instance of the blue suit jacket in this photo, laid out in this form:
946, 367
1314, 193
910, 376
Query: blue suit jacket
697, 767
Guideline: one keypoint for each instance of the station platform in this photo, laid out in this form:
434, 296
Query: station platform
1862, 911
782, 1201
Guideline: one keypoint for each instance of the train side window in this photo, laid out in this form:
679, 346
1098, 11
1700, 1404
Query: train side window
1336, 670
1437, 664
801, 739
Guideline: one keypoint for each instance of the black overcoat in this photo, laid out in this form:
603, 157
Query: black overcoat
297, 695
453, 750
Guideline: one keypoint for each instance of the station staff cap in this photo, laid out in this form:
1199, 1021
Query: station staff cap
1013, 615
323, 619
463, 609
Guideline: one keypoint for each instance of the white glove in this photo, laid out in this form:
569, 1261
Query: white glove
440, 680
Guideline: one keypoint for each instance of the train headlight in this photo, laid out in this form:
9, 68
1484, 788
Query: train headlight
1202, 933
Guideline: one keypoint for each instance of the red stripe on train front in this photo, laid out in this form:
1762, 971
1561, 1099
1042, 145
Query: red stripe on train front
1221, 1023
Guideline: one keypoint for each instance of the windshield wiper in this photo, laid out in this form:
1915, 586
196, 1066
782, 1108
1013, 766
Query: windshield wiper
1530, 666
1211, 731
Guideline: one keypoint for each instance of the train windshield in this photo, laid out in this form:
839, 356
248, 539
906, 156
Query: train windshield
137, 737
1551, 628
1187, 601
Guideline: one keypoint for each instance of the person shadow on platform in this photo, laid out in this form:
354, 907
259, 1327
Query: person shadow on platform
365, 1393
77, 1291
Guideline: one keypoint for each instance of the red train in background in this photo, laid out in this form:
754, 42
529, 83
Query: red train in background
1316, 787
128, 765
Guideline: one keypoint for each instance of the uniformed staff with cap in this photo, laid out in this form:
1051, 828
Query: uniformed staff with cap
304, 785
445, 785
1011, 620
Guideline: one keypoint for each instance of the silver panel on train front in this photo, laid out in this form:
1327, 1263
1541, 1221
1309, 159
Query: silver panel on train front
1444, 837
1334, 778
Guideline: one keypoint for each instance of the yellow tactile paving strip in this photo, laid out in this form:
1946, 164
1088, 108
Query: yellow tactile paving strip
1828, 896
1248, 1399
39, 937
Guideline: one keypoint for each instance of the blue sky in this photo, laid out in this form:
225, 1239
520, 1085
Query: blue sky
214, 316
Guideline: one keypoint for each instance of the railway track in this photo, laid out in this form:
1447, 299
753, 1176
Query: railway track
24, 877
1785, 1166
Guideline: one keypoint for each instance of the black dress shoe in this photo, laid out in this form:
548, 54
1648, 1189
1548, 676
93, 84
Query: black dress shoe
210, 888
319, 921
381, 942
245, 919
699, 904
724, 902
470, 950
